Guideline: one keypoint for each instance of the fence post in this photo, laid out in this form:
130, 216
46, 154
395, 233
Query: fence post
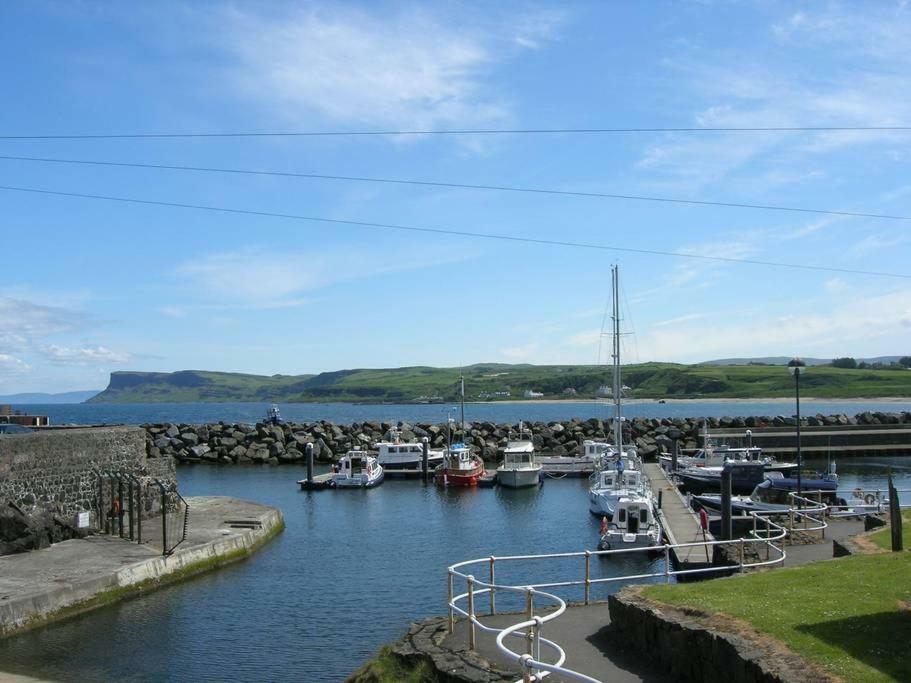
539, 623
588, 575
493, 576
667, 563
471, 640
111, 510
139, 507
742, 556
164, 520
530, 614
449, 608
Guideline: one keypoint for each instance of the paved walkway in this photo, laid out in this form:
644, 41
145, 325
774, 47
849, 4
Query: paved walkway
583, 632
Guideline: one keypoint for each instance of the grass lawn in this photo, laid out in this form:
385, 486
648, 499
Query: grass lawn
851, 616
884, 538
385, 668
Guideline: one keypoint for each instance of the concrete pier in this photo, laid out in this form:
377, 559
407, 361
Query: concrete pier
82, 574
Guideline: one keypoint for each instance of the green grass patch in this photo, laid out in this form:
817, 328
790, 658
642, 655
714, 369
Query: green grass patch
387, 668
883, 537
848, 616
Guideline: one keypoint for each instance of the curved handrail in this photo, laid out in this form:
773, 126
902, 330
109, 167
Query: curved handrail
529, 628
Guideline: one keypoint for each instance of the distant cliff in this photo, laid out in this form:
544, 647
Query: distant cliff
494, 381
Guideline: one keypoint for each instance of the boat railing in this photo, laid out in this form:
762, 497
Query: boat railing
765, 534
869, 500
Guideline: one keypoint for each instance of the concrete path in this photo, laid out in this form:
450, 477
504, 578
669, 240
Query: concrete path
78, 574
583, 632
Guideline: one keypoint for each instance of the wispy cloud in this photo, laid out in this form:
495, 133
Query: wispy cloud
83, 355
22, 322
413, 69
877, 242
10, 365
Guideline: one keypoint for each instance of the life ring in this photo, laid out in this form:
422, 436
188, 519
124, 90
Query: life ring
858, 493
869, 499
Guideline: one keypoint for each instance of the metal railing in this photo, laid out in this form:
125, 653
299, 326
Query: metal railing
765, 534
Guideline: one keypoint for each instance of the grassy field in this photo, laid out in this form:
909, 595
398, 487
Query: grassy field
884, 538
849, 616
482, 382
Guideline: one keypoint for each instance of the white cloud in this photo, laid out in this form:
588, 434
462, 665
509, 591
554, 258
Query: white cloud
878, 242
85, 355
10, 365
681, 319
409, 69
23, 321
263, 279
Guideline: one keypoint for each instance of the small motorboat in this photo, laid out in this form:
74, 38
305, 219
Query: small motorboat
576, 465
404, 455
356, 469
744, 477
459, 467
634, 525
519, 469
740, 505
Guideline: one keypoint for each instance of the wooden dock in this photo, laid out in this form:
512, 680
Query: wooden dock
680, 523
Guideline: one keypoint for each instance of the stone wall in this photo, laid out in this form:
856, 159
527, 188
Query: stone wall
284, 443
53, 470
695, 646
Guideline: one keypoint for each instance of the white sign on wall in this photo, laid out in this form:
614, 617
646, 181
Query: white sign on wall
83, 520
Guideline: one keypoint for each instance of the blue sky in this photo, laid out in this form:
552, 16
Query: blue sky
87, 287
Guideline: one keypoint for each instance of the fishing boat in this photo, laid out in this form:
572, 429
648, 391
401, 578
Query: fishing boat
634, 525
713, 454
459, 467
519, 469
744, 477
357, 469
406, 455
618, 475
576, 465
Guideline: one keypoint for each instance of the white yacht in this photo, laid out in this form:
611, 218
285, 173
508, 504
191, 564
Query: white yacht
519, 468
634, 525
617, 479
577, 465
406, 455
357, 469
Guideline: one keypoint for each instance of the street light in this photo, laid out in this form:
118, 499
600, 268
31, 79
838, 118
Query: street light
797, 368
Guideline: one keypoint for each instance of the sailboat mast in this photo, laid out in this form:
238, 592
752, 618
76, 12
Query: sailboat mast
462, 402
617, 386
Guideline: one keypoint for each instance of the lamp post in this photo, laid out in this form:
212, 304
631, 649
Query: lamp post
750, 439
797, 368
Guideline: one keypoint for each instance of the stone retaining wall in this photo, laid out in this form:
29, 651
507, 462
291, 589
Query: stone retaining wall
284, 443
695, 646
53, 470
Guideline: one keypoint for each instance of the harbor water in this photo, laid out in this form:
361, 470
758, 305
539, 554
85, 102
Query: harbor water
350, 572
346, 413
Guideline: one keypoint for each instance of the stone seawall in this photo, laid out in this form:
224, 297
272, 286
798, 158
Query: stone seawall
54, 470
262, 443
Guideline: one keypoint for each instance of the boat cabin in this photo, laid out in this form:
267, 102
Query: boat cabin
594, 449
615, 479
355, 463
518, 459
400, 448
459, 457
632, 515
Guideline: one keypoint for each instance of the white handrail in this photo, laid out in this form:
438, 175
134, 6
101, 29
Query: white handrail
532, 665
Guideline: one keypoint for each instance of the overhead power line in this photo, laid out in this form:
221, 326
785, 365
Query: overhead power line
465, 131
447, 231
461, 186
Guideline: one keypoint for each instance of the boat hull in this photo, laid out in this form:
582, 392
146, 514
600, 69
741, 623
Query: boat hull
360, 482
565, 466
517, 479
410, 464
444, 477
616, 540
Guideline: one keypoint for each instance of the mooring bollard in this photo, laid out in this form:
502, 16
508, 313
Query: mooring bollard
726, 525
308, 449
660, 491
425, 456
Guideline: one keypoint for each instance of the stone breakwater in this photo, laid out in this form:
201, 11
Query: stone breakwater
264, 443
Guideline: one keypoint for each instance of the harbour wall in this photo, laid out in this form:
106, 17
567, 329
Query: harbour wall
262, 443
54, 471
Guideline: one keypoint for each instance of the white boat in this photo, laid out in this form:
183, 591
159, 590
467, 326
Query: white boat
357, 469
713, 454
519, 468
576, 465
634, 525
618, 479
406, 455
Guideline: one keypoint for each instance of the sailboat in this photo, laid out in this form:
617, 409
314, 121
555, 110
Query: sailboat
459, 467
619, 491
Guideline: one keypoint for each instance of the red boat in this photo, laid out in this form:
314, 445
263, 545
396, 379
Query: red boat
459, 468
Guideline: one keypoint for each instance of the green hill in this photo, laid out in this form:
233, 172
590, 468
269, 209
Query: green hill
493, 381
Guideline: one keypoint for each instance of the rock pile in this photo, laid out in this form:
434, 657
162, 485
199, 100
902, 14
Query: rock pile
264, 443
